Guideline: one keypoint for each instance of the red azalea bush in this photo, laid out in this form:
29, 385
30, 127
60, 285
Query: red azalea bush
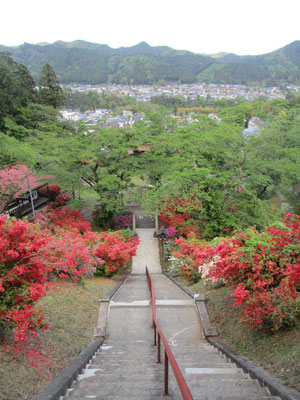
23, 272
29, 258
69, 255
263, 270
55, 189
180, 214
61, 200
60, 244
62, 218
69, 219
113, 252
171, 231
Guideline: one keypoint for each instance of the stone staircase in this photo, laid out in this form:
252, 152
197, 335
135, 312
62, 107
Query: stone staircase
211, 376
125, 367
121, 371
130, 371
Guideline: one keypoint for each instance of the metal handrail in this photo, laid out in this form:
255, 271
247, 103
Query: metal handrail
169, 357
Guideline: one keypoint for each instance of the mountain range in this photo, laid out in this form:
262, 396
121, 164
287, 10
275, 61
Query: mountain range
85, 62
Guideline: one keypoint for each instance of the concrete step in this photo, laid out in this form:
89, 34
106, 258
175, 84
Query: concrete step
122, 376
213, 373
119, 368
205, 358
132, 397
246, 397
200, 364
244, 388
116, 392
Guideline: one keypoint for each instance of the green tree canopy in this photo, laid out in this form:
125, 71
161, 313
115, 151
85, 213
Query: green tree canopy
16, 88
50, 91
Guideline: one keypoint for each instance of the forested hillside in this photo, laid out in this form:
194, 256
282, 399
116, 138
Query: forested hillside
84, 62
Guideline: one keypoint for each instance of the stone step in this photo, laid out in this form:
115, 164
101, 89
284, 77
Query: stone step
199, 364
125, 356
124, 376
132, 397
114, 392
134, 368
205, 358
213, 373
226, 387
246, 397
160, 397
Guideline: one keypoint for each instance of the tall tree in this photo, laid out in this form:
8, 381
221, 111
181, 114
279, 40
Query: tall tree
16, 88
50, 91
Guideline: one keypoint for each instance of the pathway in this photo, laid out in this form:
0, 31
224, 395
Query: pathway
125, 366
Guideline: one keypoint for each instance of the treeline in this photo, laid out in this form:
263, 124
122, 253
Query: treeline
21, 99
91, 63
92, 100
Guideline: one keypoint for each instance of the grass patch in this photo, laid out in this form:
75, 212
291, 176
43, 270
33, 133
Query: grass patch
278, 353
71, 311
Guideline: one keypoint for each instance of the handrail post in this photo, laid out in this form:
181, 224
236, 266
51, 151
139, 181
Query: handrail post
154, 334
158, 350
166, 392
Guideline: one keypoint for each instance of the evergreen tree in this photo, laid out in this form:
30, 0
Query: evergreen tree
50, 92
16, 88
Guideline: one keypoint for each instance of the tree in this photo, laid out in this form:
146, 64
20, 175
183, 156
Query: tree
50, 91
16, 88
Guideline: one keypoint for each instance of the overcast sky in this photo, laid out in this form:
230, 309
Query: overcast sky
201, 26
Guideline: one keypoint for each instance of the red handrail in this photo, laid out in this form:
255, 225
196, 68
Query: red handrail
169, 357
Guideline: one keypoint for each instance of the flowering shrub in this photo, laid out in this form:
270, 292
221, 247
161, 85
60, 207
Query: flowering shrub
180, 213
29, 258
65, 218
61, 200
61, 245
114, 252
262, 269
23, 273
69, 255
55, 189
171, 231
68, 219
123, 221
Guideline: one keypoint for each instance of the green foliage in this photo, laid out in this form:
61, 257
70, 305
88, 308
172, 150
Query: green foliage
157, 159
11, 151
50, 92
92, 63
92, 100
110, 201
16, 88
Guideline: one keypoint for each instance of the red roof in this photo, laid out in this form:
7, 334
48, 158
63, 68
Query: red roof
14, 178
143, 148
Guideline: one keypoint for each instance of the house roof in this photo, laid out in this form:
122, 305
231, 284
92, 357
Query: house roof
20, 179
143, 148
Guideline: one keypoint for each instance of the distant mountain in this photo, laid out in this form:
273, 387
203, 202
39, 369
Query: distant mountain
84, 62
